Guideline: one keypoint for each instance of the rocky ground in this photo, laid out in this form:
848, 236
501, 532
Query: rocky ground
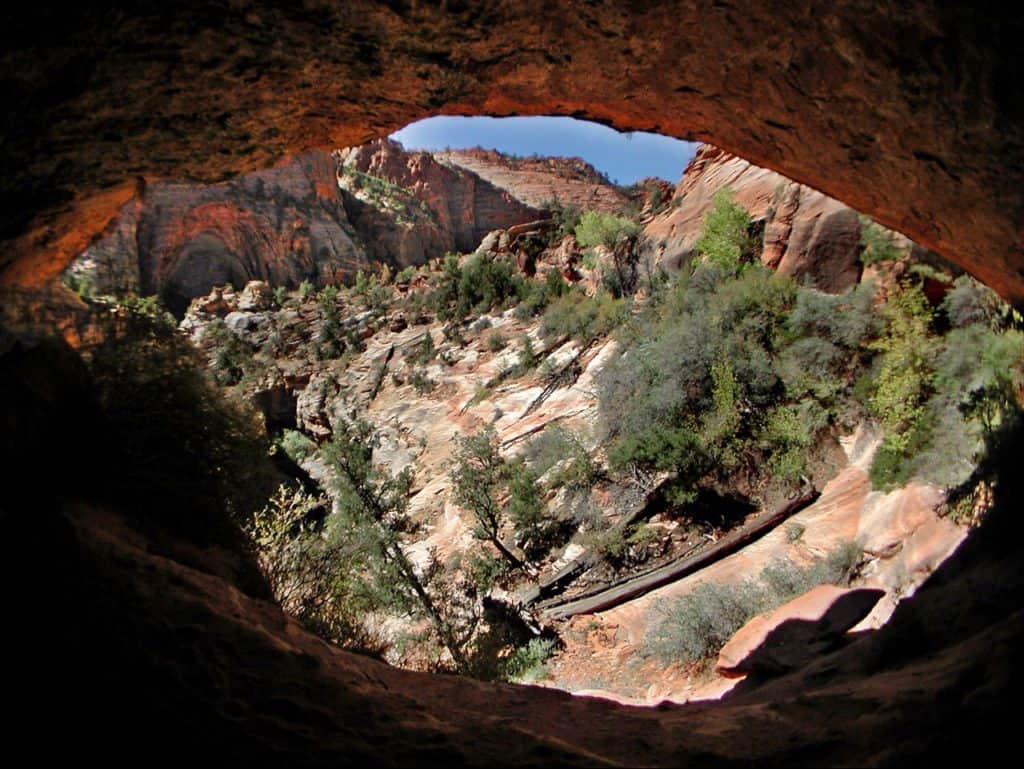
390, 207
420, 407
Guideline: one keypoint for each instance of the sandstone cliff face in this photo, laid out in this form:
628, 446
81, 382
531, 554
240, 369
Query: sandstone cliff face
285, 224
805, 232
305, 219
908, 113
462, 206
540, 180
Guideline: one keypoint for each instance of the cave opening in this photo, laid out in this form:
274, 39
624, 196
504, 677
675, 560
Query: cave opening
607, 384
795, 74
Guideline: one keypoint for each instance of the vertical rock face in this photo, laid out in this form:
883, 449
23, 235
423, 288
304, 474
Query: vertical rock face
537, 180
805, 232
305, 219
285, 224
462, 206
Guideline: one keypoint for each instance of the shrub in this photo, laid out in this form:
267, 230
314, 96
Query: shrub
971, 302
596, 229
527, 358
421, 383
296, 445
477, 286
878, 243
699, 624
496, 342
528, 663
405, 275
724, 239
190, 458
584, 318
905, 369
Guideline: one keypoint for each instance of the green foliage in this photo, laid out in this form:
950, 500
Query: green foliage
231, 354
405, 275
280, 295
538, 295
902, 380
421, 383
584, 318
878, 243
527, 357
296, 445
557, 446
699, 624
526, 508
724, 239
496, 342
370, 508
481, 478
317, 579
528, 663
596, 229
696, 375
970, 302
372, 291
424, 351
190, 459
566, 218
794, 531
306, 291
480, 284
331, 340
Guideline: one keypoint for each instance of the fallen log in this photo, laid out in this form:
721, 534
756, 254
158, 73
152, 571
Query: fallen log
608, 596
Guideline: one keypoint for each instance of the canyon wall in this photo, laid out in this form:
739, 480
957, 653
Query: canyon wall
805, 232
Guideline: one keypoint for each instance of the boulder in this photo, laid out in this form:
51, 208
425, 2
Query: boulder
796, 632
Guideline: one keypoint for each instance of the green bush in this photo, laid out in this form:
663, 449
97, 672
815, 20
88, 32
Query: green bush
557, 446
496, 342
584, 318
724, 239
296, 445
528, 663
697, 625
970, 302
190, 458
596, 229
477, 286
878, 244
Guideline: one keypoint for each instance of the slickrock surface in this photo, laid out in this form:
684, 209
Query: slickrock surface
805, 232
536, 181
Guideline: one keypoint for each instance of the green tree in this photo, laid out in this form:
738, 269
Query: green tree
370, 506
900, 386
596, 229
479, 474
725, 240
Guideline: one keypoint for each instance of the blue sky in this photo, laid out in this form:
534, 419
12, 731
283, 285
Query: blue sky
625, 158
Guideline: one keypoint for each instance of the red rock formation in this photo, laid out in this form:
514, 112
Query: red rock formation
293, 222
285, 224
463, 206
908, 112
539, 180
805, 232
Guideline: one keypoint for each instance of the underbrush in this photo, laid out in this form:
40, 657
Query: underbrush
696, 626
738, 378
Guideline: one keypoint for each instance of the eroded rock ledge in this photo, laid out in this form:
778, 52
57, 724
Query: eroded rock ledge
909, 112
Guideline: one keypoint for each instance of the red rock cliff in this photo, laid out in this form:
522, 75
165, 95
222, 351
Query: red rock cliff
537, 180
805, 232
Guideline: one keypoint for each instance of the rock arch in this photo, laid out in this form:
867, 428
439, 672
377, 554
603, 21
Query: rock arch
910, 111
907, 111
